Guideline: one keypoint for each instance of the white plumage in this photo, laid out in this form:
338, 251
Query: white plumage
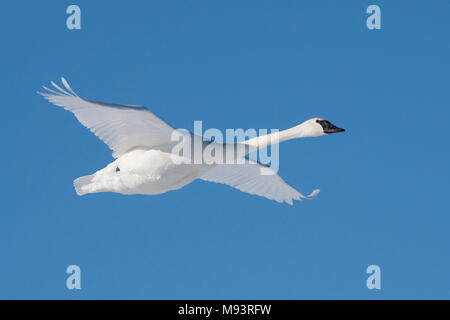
144, 164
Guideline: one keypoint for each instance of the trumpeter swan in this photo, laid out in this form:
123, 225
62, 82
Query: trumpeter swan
144, 162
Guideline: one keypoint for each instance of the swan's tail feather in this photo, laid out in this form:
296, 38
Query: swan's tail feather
82, 184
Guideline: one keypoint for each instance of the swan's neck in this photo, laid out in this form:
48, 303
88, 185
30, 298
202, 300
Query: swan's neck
300, 131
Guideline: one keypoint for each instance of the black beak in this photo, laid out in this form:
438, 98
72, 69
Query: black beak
328, 127
334, 130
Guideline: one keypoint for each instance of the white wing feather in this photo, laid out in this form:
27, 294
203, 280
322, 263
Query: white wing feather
121, 127
248, 178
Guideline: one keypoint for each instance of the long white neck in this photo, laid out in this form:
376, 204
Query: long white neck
300, 131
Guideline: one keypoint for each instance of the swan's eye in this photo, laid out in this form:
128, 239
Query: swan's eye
117, 169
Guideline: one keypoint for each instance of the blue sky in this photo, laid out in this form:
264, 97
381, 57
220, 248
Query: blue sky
231, 64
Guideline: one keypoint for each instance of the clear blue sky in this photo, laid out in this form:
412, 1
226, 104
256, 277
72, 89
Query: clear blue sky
232, 64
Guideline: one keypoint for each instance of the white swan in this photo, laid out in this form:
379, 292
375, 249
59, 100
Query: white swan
141, 144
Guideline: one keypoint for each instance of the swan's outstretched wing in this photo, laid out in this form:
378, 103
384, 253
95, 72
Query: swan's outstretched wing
121, 127
249, 178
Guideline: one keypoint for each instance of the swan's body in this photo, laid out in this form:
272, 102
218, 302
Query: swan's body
140, 172
145, 162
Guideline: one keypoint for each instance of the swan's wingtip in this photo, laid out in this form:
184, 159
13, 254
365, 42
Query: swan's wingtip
64, 82
313, 194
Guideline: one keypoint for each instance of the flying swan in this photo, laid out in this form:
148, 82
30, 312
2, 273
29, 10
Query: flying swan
145, 163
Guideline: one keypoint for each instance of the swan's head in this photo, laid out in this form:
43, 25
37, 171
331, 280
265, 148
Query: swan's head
316, 127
